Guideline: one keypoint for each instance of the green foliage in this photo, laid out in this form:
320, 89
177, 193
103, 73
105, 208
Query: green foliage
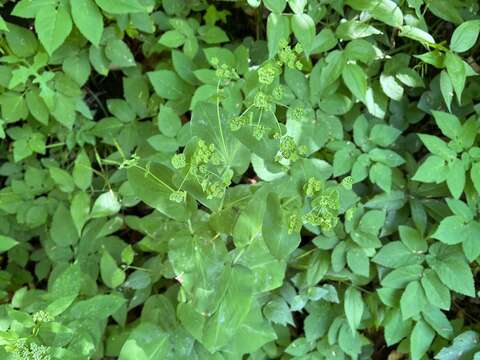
260, 179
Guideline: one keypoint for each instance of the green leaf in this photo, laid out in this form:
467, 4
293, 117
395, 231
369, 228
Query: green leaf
433, 169
119, 54
111, 274
395, 327
356, 80
80, 210
168, 121
78, 68
172, 39
420, 339
53, 25
154, 188
381, 175
88, 19
62, 230
278, 28
438, 321
275, 230
303, 28
6, 243
456, 178
384, 135
402, 276
168, 85
121, 6
456, 71
465, 36
105, 205
395, 254
436, 293
412, 301
446, 88
278, 312
358, 261
277, 6
391, 87
475, 176
82, 171
146, 342
448, 124
29, 8
63, 179
297, 5
353, 307
451, 230
386, 11
464, 346
98, 307
454, 271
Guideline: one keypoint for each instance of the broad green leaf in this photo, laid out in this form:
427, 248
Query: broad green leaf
463, 346
172, 39
111, 274
438, 321
465, 36
30, 8
391, 87
82, 171
277, 6
436, 293
6, 243
53, 25
99, 307
353, 307
384, 135
62, 230
451, 230
275, 232
453, 270
446, 88
278, 28
303, 28
395, 327
448, 124
402, 276
88, 19
168, 121
395, 254
457, 72
63, 179
122, 6
105, 205
413, 300
119, 54
154, 188
80, 210
146, 342
168, 85
420, 339
456, 178
356, 80
297, 5
386, 11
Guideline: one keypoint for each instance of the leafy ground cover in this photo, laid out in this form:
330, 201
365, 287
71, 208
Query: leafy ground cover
261, 179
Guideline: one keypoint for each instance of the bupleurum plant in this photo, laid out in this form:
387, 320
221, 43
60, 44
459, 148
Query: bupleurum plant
245, 179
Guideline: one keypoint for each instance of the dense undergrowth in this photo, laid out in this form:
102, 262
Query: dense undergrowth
192, 179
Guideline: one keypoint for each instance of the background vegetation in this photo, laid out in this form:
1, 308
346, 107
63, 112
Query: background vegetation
192, 179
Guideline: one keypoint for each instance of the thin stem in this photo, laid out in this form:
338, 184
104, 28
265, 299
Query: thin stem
160, 181
219, 120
